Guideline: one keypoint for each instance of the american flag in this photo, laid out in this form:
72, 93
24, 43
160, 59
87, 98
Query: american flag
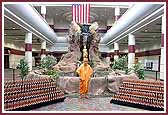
81, 13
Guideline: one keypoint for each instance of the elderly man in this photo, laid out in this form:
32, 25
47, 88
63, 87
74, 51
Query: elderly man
85, 72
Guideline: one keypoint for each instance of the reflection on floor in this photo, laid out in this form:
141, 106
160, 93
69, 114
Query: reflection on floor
91, 104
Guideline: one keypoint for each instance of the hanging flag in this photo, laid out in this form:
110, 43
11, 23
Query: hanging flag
81, 13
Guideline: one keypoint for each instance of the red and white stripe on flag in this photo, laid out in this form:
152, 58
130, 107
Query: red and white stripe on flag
81, 13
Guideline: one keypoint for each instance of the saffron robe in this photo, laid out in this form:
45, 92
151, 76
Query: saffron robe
85, 73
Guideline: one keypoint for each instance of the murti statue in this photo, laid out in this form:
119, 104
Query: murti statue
85, 53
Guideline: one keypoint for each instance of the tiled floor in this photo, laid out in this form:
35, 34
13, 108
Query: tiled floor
91, 104
76, 104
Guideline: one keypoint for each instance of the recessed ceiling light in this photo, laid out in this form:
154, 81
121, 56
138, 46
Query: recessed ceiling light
13, 28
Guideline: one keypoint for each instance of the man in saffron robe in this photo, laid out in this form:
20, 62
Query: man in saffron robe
85, 72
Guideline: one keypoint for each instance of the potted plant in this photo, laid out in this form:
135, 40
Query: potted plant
24, 69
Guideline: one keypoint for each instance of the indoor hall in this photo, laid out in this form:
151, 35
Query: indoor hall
84, 56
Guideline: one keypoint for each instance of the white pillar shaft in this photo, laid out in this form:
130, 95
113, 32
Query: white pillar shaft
116, 51
28, 38
131, 60
43, 45
28, 59
28, 50
116, 46
43, 49
162, 58
131, 50
117, 11
163, 24
162, 64
131, 39
43, 10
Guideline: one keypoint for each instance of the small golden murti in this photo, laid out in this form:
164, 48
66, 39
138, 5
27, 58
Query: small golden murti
85, 53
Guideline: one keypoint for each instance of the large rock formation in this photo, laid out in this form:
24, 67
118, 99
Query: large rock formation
99, 65
68, 61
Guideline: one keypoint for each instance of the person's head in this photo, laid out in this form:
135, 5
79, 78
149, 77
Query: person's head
85, 61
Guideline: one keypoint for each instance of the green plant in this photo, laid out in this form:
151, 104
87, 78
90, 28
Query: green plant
47, 62
24, 68
138, 71
53, 74
120, 63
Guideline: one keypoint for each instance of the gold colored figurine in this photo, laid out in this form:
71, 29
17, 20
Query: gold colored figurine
85, 53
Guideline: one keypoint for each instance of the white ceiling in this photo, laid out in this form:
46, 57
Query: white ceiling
149, 33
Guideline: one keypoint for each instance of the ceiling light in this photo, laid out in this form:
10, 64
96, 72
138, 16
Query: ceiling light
13, 28
146, 30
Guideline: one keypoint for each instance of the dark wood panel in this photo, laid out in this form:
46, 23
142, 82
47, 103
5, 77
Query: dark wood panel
148, 53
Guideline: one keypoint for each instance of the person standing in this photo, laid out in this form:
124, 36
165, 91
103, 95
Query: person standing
85, 72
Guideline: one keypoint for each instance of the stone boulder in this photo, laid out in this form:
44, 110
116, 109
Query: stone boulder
114, 82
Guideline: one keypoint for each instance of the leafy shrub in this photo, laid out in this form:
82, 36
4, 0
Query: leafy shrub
138, 71
53, 74
24, 68
48, 62
120, 63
